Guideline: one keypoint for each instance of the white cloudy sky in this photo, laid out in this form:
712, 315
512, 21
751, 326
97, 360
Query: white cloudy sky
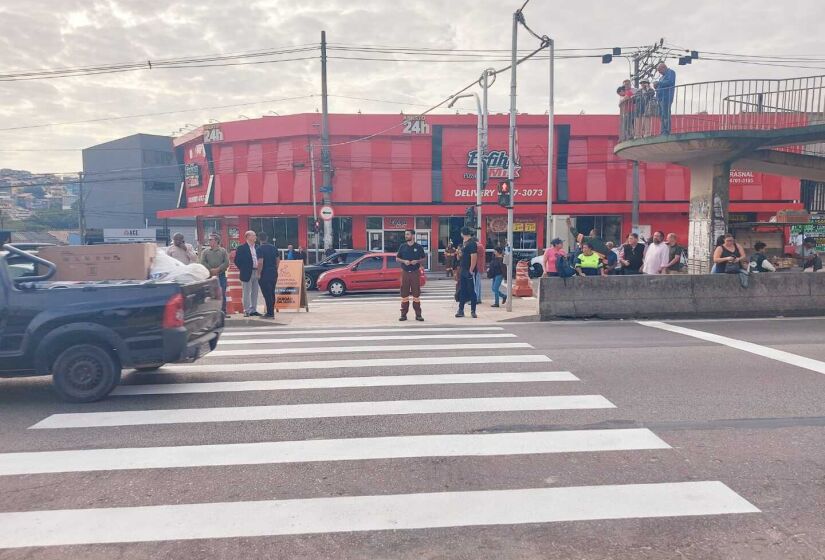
37, 34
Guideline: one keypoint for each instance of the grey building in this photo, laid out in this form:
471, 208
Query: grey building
126, 182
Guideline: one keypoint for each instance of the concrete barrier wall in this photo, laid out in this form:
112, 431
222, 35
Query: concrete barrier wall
677, 296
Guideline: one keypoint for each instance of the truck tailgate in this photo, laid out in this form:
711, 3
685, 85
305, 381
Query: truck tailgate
202, 307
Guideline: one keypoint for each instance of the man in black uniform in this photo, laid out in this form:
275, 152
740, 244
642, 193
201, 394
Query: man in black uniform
469, 265
410, 256
269, 272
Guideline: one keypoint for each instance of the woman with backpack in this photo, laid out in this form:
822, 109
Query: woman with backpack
551, 257
496, 270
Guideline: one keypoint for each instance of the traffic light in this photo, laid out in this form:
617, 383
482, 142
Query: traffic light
470, 217
505, 194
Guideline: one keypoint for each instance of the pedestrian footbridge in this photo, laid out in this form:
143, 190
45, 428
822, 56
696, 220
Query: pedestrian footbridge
768, 126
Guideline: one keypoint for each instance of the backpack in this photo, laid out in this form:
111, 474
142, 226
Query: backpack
563, 267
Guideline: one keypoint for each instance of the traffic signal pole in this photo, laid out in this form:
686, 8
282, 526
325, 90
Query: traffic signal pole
511, 167
314, 198
326, 165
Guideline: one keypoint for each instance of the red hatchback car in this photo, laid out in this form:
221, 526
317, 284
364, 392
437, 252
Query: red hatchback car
374, 271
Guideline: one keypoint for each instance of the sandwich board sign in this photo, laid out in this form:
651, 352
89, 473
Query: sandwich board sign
290, 293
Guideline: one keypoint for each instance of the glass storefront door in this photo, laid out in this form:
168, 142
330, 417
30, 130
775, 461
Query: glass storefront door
423, 239
375, 240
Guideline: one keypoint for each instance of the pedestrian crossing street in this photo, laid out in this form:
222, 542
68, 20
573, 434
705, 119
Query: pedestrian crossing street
366, 398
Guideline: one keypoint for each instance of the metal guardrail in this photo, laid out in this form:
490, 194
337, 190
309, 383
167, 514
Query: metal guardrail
725, 105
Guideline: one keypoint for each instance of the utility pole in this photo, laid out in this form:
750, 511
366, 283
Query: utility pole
551, 151
634, 218
511, 167
314, 198
81, 207
326, 166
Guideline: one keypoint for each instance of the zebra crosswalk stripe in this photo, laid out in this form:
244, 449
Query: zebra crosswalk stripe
375, 349
350, 449
370, 338
367, 513
320, 410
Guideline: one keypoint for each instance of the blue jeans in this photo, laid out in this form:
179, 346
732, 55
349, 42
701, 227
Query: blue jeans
222, 282
497, 288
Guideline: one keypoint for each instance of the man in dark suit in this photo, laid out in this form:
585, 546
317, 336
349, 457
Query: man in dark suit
268, 255
246, 259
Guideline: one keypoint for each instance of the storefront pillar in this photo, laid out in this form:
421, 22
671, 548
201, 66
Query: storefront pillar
709, 199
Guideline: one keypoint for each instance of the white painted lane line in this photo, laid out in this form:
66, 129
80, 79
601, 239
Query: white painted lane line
764, 351
347, 364
376, 348
367, 513
231, 332
340, 382
320, 410
366, 338
351, 449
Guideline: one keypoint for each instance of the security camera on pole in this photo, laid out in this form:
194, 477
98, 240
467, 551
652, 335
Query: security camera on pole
511, 167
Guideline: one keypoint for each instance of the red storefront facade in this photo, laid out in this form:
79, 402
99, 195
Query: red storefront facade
391, 173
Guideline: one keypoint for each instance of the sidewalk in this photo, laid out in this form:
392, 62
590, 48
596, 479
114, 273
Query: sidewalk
382, 309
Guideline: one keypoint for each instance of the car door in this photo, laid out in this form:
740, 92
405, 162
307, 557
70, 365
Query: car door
392, 274
366, 274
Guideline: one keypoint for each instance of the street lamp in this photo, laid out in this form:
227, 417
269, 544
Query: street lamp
479, 154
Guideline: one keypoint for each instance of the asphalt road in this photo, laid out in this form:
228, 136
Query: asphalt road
656, 444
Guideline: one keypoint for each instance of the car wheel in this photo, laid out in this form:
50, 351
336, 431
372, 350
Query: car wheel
85, 373
337, 288
308, 283
149, 368
536, 270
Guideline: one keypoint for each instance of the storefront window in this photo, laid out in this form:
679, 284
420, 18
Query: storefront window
423, 223
449, 229
524, 234
341, 234
609, 228
281, 231
210, 226
375, 223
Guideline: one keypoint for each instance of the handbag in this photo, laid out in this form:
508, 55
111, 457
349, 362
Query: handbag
733, 267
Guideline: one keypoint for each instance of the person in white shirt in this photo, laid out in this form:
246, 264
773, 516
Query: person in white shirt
181, 250
656, 255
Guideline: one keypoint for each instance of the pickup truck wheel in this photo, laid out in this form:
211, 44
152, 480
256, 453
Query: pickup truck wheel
337, 288
308, 284
85, 373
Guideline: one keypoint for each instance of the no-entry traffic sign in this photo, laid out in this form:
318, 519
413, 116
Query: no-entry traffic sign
327, 213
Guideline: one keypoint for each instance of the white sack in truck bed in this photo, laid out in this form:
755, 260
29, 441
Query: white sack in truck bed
172, 270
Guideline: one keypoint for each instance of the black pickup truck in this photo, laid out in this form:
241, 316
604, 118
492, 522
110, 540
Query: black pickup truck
85, 333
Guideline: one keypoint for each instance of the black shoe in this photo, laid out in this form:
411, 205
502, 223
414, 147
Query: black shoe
473, 315
419, 318
460, 314
494, 305
503, 299
255, 314
402, 318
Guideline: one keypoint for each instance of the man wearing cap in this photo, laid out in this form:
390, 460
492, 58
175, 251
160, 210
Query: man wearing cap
410, 256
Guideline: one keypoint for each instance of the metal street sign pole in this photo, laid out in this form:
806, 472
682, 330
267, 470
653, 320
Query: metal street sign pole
551, 152
314, 199
511, 167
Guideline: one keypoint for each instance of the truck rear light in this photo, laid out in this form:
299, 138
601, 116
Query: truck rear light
173, 312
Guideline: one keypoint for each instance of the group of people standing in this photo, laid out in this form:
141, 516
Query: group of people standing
639, 107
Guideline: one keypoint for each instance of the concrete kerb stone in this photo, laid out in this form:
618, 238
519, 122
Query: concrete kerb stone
682, 296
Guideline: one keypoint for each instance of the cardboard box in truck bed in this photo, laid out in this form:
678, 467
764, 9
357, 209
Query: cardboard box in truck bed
127, 261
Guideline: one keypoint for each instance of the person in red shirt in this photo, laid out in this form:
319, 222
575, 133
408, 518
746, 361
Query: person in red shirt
551, 255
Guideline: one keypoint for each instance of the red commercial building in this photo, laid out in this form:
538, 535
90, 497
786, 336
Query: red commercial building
391, 173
